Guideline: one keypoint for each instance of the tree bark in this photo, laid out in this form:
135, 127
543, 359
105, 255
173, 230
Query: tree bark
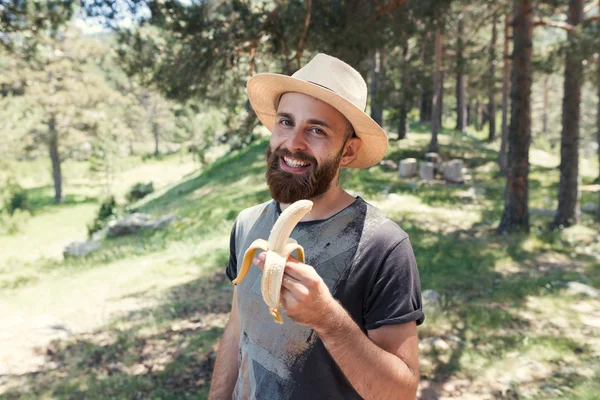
156, 138
503, 156
492, 83
437, 93
376, 79
461, 98
477, 115
545, 104
403, 127
598, 116
516, 207
55, 158
568, 189
427, 89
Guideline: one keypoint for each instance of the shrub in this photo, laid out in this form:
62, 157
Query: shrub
12, 223
108, 210
13, 197
139, 191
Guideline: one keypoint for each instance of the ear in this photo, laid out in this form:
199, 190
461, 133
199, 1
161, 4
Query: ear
351, 150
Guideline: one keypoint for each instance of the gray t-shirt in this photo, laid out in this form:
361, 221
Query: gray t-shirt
368, 264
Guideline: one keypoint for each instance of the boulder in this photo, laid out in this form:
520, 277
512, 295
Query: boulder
408, 168
133, 223
453, 171
388, 165
431, 300
578, 288
427, 171
81, 249
590, 208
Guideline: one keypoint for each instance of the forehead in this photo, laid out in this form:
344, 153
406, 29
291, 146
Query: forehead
304, 107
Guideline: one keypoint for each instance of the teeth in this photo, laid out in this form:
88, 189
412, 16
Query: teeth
295, 164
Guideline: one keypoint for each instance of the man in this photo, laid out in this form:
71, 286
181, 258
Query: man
350, 313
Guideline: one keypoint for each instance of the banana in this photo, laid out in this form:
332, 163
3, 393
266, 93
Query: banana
278, 249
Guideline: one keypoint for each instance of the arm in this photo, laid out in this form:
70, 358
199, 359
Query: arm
384, 365
226, 367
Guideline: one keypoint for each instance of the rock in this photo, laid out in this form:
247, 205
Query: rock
431, 300
453, 171
427, 170
408, 168
81, 249
590, 208
578, 288
99, 235
542, 212
133, 223
388, 165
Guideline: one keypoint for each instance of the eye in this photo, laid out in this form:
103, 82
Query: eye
318, 131
286, 122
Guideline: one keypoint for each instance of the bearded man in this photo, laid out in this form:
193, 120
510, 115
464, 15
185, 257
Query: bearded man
351, 312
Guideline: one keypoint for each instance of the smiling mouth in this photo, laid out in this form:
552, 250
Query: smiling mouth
294, 163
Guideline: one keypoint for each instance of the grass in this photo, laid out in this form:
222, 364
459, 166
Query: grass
157, 302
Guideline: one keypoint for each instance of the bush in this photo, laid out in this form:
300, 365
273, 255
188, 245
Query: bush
139, 191
12, 223
13, 197
108, 210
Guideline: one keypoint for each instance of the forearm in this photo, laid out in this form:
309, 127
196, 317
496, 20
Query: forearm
373, 372
226, 366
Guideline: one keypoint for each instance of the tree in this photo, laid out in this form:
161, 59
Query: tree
437, 92
492, 80
506, 73
377, 77
516, 207
461, 90
568, 190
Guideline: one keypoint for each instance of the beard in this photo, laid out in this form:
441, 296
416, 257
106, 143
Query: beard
288, 188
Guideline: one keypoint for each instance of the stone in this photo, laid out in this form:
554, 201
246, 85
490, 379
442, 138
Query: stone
133, 223
388, 165
453, 171
427, 171
590, 208
431, 300
578, 288
408, 168
81, 249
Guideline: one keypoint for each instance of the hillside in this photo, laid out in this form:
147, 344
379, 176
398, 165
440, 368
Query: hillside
140, 318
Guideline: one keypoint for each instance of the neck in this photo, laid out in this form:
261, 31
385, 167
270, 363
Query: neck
330, 203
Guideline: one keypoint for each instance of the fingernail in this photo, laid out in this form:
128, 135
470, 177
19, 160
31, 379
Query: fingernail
262, 256
255, 260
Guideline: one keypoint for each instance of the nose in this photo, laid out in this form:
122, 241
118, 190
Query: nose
296, 141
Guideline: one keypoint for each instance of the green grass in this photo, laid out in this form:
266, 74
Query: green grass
505, 311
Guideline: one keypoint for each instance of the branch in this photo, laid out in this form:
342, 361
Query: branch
555, 24
304, 34
589, 7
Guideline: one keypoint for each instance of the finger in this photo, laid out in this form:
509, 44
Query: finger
296, 288
287, 299
258, 262
299, 271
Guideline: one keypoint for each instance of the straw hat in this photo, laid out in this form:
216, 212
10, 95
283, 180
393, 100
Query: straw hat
336, 83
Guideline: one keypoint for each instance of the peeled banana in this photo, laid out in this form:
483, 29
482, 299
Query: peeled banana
278, 249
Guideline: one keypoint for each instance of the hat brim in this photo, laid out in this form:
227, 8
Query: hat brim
265, 89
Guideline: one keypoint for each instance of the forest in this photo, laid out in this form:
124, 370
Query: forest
114, 107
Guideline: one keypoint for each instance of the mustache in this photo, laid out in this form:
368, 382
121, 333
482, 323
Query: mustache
283, 152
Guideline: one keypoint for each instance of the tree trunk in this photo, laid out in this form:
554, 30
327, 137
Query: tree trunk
545, 104
492, 83
516, 207
503, 156
477, 115
461, 98
376, 78
55, 158
437, 93
405, 95
156, 138
441, 111
568, 189
427, 89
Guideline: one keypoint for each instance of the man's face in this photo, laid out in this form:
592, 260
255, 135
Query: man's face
308, 144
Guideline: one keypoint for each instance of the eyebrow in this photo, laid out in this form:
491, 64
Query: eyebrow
311, 121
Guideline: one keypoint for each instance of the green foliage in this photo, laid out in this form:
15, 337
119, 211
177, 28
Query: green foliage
108, 210
139, 191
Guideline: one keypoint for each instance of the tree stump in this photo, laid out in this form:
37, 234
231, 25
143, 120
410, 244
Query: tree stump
427, 170
408, 168
452, 171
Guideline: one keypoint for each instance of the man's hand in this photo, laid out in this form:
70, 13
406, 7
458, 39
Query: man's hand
304, 295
